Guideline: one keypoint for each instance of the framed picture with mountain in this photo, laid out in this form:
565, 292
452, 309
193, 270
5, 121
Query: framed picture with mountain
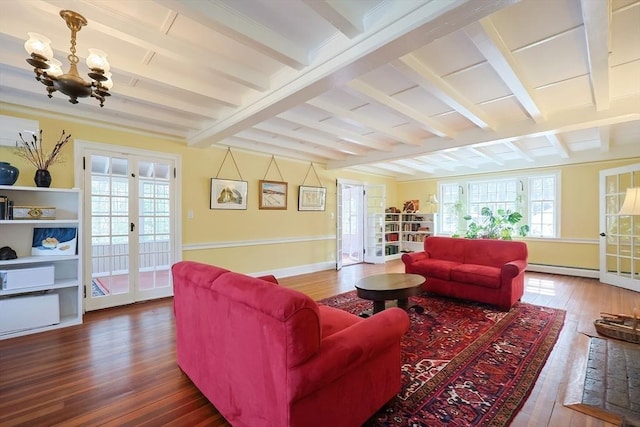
228, 194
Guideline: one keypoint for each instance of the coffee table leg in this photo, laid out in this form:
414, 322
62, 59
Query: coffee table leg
403, 303
378, 306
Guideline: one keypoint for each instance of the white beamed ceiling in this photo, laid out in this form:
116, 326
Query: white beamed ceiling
405, 88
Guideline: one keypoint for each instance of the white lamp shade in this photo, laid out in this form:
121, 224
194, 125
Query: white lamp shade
432, 198
38, 44
55, 68
97, 60
631, 204
107, 83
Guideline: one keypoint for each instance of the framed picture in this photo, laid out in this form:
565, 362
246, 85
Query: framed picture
273, 195
311, 198
228, 194
54, 241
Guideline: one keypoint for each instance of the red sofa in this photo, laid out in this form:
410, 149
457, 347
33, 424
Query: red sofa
265, 355
483, 270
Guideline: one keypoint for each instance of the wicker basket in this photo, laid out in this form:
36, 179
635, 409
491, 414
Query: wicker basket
619, 327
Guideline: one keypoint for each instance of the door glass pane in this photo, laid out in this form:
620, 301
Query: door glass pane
155, 230
109, 226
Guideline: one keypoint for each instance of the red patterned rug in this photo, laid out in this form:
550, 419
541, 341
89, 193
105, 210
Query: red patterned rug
465, 364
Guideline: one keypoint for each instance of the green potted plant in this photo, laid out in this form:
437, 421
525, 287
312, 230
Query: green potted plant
499, 225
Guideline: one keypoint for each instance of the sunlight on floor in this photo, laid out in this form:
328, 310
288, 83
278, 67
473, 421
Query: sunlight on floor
540, 286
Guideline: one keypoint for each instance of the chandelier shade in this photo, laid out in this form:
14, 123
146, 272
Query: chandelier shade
49, 72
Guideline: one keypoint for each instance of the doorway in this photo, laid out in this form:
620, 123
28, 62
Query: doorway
359, 223
352, 224
620, 234
130, 226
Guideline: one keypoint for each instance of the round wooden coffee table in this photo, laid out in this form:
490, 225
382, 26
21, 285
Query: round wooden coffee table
380, 288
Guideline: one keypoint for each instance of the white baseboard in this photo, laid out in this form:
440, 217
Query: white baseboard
297, 270
567, 271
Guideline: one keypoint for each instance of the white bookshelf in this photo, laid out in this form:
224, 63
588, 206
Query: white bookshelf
67, 286
415, 228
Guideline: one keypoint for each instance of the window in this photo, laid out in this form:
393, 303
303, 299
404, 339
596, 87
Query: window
535, 197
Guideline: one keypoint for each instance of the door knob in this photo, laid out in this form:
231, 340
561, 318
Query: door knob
602, 234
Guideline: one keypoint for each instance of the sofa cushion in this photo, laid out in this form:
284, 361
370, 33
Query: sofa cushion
446, 248
438, 268
494, 252
481, 275
334, 320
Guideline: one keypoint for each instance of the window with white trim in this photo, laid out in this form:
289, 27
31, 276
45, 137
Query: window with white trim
534, 196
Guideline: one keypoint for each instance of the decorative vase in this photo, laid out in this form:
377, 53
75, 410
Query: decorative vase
42, 178
8, 174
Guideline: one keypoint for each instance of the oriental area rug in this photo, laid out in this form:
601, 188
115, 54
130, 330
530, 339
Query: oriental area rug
464, 363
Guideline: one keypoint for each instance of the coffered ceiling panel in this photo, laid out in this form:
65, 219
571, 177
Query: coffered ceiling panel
410, 89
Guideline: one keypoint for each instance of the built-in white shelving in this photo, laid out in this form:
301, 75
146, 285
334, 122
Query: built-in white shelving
67, 286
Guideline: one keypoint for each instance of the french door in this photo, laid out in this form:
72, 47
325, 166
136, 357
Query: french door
620, 234
130, 227
367, 226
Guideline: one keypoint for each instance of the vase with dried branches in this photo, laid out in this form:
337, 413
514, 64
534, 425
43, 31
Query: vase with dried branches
32, 150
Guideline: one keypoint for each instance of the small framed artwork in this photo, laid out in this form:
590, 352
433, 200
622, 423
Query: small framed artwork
311, 198
228, 194
54, 241
273, 195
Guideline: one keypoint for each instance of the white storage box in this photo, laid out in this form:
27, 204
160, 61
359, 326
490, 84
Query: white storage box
33, 311
12, 278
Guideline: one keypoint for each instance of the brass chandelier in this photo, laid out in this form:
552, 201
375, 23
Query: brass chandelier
49, 72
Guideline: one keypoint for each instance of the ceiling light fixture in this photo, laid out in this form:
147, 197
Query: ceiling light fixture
49, 72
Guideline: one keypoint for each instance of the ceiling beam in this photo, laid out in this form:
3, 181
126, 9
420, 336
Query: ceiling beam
302, 135
370, 93
340, 113
489, 42
342, 133
480, 152
423, 25
225, 20
559, 145
294, 144
270, 149
597, 21
348, 24
519, 151
417, 71
585, 117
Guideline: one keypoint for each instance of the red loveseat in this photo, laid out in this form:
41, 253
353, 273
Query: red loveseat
265, 355
483, 270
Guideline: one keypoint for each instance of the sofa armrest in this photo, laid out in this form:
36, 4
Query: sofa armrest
412, 257
269, 278
347, 350
513, 268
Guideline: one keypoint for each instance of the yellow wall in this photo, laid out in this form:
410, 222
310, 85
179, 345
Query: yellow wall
260, 231
577, 245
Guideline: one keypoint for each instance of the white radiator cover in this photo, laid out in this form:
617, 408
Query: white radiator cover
27, 312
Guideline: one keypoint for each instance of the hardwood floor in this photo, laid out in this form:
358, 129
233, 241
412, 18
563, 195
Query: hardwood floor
118, 368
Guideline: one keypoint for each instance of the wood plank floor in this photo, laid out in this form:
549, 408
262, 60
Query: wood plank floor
118, 368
